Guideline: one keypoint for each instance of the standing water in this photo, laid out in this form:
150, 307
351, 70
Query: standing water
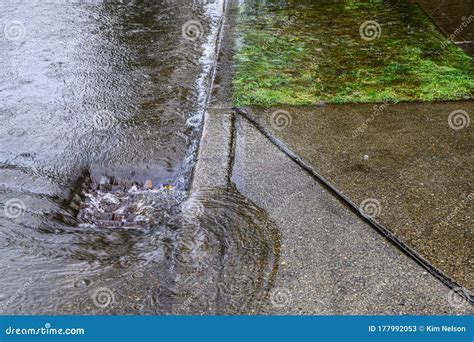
100, 104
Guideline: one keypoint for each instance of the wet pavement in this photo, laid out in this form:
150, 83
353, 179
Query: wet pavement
111, 88
101, 104
408, 166
455, 18
332, 261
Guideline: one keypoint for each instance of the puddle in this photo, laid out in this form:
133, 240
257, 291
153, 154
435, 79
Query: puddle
210, 252
111, 90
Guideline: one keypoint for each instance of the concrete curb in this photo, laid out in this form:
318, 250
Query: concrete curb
212, 168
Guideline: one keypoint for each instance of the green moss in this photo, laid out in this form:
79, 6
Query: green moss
314, 52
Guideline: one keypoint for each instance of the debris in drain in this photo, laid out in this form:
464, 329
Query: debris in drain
72, 204
110, 203
167, 187
110, 206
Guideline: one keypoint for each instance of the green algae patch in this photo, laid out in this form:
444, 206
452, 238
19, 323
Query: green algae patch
345, 52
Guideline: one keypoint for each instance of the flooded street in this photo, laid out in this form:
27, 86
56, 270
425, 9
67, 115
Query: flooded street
104, 107
106, 87
98, 101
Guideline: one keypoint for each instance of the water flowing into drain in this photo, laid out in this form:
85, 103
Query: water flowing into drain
118, 243
212, 252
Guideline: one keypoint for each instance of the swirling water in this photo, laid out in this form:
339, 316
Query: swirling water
100, 99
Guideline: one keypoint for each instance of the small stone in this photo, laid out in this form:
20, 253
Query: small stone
74, 206
109, 199
128, 210
366, 157
77, 198
81, 283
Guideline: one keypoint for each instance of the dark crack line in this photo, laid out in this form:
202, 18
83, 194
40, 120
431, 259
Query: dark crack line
446, 280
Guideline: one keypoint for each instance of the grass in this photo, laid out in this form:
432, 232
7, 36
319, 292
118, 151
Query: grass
302, 56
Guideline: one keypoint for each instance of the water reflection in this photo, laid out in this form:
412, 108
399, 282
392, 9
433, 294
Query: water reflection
213, 252
94, 89
108, 86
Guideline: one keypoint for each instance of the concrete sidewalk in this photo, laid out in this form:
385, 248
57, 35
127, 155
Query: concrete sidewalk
332, 261
402, 162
